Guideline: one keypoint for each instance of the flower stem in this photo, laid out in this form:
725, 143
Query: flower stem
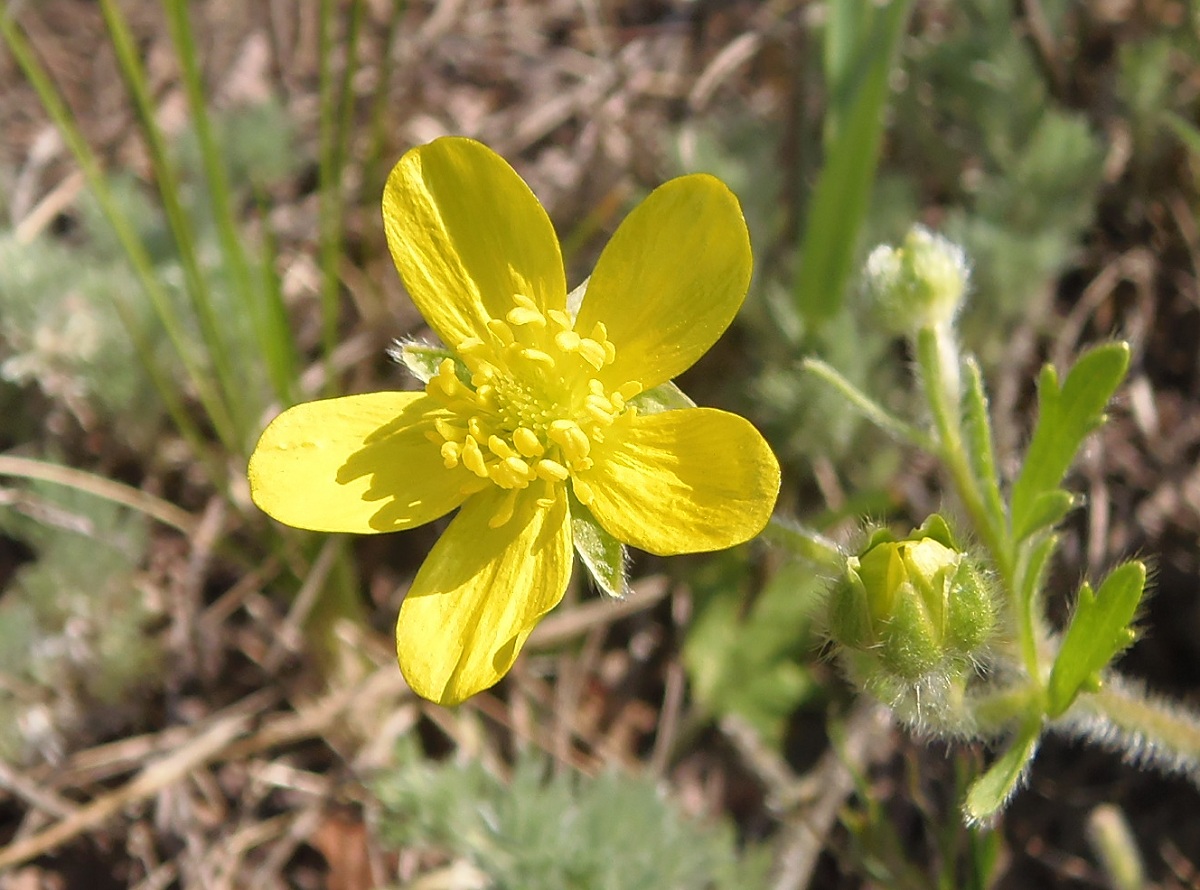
804, 542
938, 358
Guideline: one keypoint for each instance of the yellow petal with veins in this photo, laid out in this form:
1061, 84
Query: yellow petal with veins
481, 591
467, 235
358, 464
670, 281
684, 481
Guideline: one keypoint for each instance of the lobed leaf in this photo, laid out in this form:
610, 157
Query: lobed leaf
1065, 417
1099, 629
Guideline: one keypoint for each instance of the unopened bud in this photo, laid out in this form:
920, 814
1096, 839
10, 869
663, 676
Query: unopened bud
919, 284
914, 607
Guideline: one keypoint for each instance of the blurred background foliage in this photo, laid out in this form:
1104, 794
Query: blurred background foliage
190, 241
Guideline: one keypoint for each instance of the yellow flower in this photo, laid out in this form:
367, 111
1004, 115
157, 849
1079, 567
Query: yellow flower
543, 421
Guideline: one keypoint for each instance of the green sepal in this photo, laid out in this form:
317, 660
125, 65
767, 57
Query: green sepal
1047, 511
936, 527
988, 794
575, 297
1066, 415
424, 359
664, 397
602, 554
1099, 630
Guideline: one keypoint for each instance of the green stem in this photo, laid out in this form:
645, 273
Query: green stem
1145, 728
938, 358
868, 407
803, 542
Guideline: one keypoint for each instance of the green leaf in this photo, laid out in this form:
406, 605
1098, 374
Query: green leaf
1047, 511
991, 792
1065, 417
602, 554
1099, 629
840, 198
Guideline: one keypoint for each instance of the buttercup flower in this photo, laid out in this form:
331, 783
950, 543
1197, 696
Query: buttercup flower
545, 422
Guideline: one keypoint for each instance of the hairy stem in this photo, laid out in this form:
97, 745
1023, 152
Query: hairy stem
1147, 729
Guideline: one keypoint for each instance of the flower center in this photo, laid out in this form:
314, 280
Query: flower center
531, 407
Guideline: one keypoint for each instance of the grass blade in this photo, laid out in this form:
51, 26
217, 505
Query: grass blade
839, 201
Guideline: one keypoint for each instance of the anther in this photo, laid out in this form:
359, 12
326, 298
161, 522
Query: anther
536, 355
551, 470
500, 448
447, 430
592, 352
527, 442
472, 458
629, 390
567, 341
522, 316
450, 454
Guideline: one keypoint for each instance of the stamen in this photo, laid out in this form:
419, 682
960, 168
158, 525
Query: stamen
567, 341
447, 430
551, 470
536, 355
629, 390
450, 454
500, 448
592, 352
574, 441
472, 458
527, 442
523, 316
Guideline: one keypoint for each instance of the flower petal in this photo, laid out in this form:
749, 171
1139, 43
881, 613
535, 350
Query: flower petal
670, 281
684, 481
480, 592
354, 464
466, 234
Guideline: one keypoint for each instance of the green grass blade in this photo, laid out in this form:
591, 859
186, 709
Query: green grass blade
382, 119
274, 340
138, 258
334, 138
839, 201
182, 231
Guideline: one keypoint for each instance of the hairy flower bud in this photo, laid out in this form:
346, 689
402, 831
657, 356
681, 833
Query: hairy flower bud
918, 284
914, 608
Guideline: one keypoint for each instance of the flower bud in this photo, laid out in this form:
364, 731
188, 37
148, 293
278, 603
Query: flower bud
913, 608
919, 284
